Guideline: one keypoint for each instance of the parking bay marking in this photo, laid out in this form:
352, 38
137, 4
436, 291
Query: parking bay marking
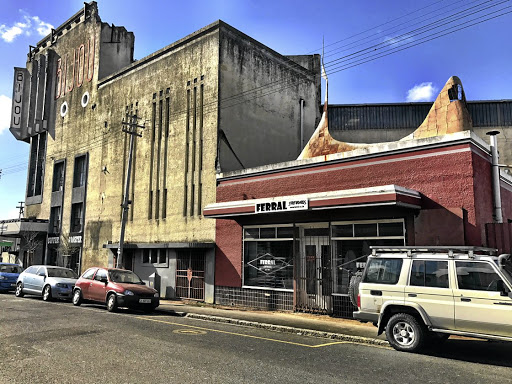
244, 335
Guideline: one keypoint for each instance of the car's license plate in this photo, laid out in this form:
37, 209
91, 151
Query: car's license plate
13, 284
145, 301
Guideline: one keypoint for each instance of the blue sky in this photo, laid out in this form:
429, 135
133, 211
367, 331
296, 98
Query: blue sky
480, 55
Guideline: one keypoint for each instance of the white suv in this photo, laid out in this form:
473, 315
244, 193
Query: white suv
421, 295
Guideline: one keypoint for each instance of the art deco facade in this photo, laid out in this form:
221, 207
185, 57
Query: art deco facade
214, 100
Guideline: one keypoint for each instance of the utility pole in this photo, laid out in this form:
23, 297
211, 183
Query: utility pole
130, 127
21, 208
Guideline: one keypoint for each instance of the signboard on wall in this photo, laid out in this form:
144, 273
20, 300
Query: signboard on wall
281, 205
19, 100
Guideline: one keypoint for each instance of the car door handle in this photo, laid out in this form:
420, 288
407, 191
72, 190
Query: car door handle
502, 303
376, 293
412, 295
465, 299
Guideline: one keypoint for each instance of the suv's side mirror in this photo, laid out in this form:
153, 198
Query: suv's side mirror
104, 280
510, 295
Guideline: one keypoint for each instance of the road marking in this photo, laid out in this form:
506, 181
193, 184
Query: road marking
214, 330
241, 334
190, 331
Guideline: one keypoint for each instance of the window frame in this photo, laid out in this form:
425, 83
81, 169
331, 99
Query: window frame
259, 238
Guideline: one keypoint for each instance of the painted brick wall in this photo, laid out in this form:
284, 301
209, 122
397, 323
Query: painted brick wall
453, 177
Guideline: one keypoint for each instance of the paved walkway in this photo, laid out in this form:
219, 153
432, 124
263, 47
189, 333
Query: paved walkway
310, 324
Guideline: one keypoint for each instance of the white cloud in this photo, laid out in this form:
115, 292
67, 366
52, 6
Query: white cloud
5, 112
27, 26
422, 92
398, 40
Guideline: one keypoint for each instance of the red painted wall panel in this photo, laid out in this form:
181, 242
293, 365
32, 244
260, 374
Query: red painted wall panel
228, 254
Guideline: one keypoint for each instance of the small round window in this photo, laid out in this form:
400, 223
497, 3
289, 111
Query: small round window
85, 99
64, 109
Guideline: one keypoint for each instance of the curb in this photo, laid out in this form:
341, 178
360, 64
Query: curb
287, 329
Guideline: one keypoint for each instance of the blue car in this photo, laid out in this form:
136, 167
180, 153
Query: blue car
8, 275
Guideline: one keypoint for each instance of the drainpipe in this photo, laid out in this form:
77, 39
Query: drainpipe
301, 125
498, 216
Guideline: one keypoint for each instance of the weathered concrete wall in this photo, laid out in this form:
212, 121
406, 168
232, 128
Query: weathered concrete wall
260, 94
116, 49
144, 89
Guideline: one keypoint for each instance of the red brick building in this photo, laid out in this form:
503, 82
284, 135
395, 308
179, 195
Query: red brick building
289, 236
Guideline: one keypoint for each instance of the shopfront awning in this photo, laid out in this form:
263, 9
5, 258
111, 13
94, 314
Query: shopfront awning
348, 198
159, 245
15, 227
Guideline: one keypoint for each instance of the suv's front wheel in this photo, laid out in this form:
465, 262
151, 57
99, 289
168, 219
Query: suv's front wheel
405, 333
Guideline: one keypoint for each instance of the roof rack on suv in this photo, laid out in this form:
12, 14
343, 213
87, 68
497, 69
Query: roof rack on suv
470, 250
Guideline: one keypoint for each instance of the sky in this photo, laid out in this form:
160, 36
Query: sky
409, 70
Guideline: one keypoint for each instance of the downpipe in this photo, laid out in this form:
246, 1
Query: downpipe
497, 214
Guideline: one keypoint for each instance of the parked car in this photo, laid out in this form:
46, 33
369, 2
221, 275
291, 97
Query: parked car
115, 288
47, 281
422, 295
8, 275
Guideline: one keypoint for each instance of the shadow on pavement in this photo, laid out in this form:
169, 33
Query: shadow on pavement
475, 351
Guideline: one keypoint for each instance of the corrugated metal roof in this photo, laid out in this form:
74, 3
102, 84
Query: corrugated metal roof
493, 113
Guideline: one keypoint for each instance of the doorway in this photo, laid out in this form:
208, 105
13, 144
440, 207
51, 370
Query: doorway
314, 275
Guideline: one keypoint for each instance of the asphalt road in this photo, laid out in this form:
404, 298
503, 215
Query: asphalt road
58, 343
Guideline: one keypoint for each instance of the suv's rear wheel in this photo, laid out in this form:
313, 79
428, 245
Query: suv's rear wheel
405, 333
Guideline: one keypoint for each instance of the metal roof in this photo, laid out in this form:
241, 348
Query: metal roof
489, 113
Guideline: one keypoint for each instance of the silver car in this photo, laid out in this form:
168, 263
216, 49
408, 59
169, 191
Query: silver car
47, 281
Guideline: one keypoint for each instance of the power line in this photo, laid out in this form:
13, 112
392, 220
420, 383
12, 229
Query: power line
282, 84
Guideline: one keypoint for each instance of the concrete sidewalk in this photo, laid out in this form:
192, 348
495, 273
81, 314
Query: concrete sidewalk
302, 323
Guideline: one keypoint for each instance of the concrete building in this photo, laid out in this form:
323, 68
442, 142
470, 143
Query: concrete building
214, 100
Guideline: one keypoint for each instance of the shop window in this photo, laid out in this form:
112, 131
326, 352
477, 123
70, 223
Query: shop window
58, 177
351, 242
365, 230
76, 217
55, 220
80, 172
268, 257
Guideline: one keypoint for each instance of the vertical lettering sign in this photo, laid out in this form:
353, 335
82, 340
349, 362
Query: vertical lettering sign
74, 68
20, 78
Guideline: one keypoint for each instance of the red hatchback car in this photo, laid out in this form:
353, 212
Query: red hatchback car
116, 288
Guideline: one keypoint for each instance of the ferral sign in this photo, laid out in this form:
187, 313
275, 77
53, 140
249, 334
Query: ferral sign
281, 205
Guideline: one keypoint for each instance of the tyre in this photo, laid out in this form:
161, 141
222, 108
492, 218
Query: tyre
47, 293
353, 287
77, 297
19, 290
112, 302
405, 333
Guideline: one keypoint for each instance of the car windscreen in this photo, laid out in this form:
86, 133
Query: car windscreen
10, 269
65, 273
124, 277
